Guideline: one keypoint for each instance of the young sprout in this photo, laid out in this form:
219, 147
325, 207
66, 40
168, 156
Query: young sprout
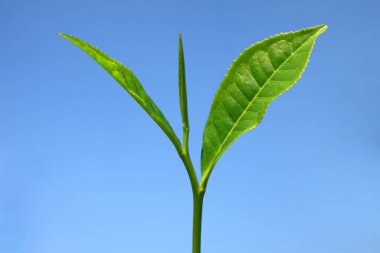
261, 73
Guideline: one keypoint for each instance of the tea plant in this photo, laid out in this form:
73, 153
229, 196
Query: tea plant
260, 74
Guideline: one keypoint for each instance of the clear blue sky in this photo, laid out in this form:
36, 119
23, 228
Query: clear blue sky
84, 169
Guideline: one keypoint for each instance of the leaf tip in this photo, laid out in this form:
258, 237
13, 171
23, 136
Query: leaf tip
64, 35
322, 28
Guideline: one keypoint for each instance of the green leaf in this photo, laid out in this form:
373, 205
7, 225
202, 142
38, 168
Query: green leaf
129, 82
260, 74
182, 84
183, 95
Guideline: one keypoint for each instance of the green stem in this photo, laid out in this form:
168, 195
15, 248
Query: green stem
183, 151
197, 221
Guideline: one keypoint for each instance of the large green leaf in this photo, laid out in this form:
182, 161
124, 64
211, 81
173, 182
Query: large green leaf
260, 74
129, 82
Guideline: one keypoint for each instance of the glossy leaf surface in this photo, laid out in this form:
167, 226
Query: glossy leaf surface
124, 76
260, 74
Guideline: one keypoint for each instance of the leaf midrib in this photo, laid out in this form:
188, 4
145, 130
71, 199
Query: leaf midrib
208, 170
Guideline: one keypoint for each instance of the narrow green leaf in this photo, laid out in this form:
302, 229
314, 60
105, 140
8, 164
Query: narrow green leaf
260, 74
183, 93
129, 82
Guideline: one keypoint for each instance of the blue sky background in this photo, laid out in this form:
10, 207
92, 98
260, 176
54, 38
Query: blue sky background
84, 169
